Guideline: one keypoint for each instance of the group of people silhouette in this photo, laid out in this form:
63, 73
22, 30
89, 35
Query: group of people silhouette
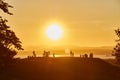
86, 55
47, 54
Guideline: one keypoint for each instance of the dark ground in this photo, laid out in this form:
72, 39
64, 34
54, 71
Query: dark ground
60, 69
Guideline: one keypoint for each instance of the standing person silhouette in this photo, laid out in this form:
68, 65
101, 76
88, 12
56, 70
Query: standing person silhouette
53, 54
34, 55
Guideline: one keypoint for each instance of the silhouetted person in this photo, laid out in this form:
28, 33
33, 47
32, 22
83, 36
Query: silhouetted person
34, 55
71, 54
46, 54
85, 56
91, 55
53, 54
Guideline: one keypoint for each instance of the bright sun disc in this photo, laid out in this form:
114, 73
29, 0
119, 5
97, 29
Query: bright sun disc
54, 32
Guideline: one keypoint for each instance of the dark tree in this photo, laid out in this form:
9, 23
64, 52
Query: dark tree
9, 42
117, 47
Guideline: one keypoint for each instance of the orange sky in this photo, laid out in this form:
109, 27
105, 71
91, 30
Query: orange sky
85, 22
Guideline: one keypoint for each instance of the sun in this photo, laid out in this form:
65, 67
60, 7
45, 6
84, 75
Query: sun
54, 32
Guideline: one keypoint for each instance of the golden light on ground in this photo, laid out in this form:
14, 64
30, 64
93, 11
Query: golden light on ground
54, 32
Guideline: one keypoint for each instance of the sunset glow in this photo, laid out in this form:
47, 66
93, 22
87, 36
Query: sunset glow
54, 32
85, 23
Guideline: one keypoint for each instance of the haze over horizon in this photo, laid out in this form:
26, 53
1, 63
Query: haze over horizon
86, 23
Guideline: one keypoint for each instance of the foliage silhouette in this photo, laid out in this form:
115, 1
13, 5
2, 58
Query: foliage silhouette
4, 6
117, 47
9, 42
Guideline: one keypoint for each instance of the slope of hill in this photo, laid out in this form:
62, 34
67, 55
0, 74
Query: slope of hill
60, 69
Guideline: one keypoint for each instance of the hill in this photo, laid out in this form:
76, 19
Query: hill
60, 69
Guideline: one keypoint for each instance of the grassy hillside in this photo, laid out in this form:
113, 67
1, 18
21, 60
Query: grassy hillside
60, 69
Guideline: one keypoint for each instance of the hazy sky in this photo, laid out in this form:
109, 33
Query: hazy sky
85, 22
